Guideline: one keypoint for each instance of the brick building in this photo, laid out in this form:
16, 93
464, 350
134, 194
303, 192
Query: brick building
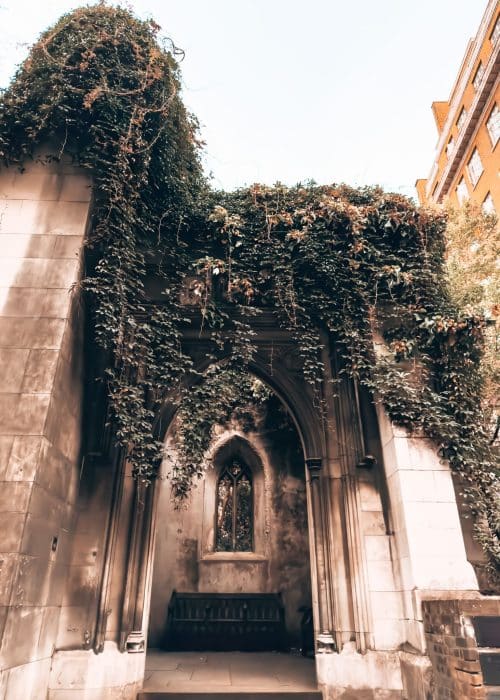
467, 154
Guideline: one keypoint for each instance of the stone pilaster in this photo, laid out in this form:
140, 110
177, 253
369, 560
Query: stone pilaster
324, 640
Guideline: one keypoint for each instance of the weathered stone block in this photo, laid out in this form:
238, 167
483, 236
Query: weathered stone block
66, 218
18, 216
73, 623
31, 582
24, 458
24, 245
8, 568
109, 675
443, 486
41, 217
377, 548
38, 536
15, 496
24, 302
386, 605
31, 332
41, 273
380, 576
7, 183
36, 185
67, 246
48, 631
416, 672
432, 515
360, 672
85, 548
372, 522
55, 472
63, 423
46, 505
12, 368
65, 547
76, 188
4, 676
388, 634
57, 579
369, 495
6, 442
414, 634
11, 531
29, 681
23, 414
40, 371
20, 639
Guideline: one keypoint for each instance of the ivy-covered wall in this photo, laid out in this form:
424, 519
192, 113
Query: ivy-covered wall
326, 259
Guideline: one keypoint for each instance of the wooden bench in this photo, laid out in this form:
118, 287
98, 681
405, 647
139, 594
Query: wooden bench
225, 622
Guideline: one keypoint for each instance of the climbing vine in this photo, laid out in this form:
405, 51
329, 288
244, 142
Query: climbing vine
331, 262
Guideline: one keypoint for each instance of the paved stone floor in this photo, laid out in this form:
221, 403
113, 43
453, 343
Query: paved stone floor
228, 672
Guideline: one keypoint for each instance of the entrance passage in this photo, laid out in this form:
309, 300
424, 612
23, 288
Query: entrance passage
212, 673
232, 567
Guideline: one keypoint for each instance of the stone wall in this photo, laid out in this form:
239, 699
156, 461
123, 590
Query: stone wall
43, 217
452, 645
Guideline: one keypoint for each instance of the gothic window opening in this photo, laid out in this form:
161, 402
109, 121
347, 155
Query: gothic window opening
234, 509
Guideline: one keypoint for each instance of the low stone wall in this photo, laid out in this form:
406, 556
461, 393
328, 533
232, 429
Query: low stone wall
452, 645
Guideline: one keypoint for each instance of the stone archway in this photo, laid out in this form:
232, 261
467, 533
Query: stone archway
187, 557
334, 596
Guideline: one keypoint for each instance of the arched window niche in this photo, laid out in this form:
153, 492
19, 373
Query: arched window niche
234, 511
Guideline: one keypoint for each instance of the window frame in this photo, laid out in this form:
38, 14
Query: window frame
493, 133
245, 471
495, 32
450, 146
478, 76
462, 191
475, 167
489, 209
462, 116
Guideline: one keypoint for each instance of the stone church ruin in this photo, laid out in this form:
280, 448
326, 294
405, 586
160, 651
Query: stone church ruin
220, 406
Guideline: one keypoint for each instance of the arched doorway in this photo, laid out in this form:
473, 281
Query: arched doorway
235, 558
243, 530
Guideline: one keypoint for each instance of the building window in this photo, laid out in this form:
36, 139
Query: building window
493, 125
495, 34
234, 509
450, 146
461, 118
462, 191
487, 205
478, 76
474, 167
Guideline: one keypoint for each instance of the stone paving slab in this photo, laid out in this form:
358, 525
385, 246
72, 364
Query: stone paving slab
223, 673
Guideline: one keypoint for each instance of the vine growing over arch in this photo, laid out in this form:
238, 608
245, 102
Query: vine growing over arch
331, 262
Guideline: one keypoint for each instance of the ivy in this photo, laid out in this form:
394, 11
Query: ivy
329, 262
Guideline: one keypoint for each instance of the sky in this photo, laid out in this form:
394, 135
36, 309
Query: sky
293, 90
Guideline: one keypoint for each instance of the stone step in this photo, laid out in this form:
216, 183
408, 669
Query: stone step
264, 695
